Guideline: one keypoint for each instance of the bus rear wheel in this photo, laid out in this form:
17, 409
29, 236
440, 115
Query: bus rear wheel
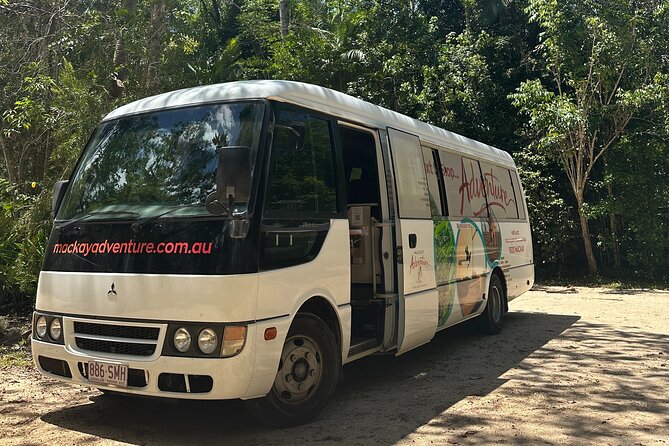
490, 321
307, 376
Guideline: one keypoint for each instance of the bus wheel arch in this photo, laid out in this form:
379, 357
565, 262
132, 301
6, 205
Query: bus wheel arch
323, 309
490, 321
307, 375
500, 274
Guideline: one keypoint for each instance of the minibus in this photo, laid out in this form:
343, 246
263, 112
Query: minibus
245, 240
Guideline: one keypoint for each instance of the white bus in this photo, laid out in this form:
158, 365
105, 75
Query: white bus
245, 240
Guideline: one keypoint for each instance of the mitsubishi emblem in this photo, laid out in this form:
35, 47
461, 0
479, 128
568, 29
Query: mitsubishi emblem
112, 290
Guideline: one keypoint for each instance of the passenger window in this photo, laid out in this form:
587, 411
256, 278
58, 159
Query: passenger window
301, 173
362, 175
431, 170
465, 191
518, 192
410, 178
501, 199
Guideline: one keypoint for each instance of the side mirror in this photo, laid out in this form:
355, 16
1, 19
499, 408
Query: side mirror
59, 190
233, 179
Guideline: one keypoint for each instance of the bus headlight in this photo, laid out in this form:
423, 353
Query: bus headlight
55, 329
40, 327
234, 337
207, 341
203, 339
182, 340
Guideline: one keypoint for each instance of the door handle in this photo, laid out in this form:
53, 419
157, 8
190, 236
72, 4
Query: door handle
412, 241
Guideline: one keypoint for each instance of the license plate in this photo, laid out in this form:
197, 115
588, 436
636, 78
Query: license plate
108, 373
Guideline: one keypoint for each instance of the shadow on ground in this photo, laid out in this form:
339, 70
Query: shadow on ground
635, 291
600, 384
381, 399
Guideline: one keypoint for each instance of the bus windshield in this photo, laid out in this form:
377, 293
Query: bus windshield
167, 162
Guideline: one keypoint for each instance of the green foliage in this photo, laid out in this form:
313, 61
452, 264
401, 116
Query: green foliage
23, 234
602, 72
557, 83
552, 217
458, 85
640, 179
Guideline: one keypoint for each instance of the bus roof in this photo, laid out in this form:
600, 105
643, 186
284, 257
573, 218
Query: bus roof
317, 98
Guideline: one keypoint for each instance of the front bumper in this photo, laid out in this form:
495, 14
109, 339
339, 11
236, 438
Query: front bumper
169, 376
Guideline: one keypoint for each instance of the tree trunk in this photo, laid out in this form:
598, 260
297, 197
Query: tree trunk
283, 17
585, 233
47, 155
614, 234
157, 22
612, 221
117, 86
9, 167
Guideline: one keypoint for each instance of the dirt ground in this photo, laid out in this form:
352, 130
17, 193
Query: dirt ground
572, 366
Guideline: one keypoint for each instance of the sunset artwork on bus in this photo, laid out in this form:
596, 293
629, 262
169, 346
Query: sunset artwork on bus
245, 240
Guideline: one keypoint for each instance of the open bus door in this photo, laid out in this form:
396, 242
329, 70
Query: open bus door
418, 296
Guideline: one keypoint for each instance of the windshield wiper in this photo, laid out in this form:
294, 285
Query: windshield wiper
71, 223
136, 226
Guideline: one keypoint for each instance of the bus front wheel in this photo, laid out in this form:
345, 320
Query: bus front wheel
307, 376
490, 321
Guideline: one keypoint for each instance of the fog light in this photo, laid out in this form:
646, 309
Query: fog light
55, 329
234, 337
207, 341
182, 340
40, 327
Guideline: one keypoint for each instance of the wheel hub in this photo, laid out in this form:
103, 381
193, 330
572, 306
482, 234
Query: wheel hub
300, 369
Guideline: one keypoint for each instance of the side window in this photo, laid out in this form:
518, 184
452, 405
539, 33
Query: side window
412, 191
501, 199
302, 169
431, 171
465, 191
518, 192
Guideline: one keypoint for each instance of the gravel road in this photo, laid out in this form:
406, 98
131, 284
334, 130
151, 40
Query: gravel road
572, 366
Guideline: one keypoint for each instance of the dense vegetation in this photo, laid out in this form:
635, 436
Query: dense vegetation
576, 90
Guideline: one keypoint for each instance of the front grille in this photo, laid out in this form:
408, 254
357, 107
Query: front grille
116, 339
117, 331
119, 348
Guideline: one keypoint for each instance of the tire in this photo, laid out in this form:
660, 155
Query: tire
492, 318
307, 376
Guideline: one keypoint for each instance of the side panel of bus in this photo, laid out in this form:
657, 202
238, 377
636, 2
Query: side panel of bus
480, 224
509, 222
